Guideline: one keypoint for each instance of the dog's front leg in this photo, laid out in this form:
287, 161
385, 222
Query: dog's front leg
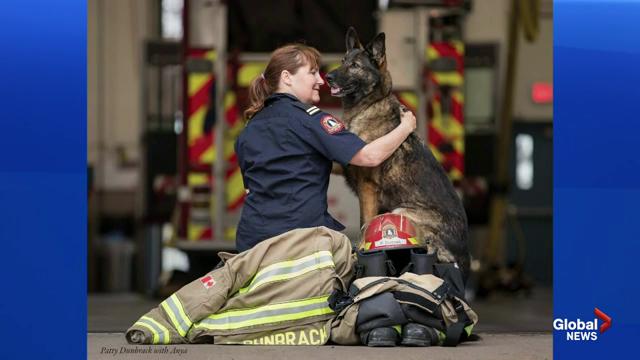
368, 201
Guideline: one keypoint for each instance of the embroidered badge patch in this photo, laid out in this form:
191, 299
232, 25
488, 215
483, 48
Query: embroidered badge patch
331, 125
207, 281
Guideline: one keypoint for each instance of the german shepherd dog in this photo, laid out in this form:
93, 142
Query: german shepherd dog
411, 181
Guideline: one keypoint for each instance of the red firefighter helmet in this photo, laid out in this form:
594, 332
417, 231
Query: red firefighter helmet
389, 231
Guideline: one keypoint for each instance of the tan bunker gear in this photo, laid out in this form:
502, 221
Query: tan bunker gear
273, 294
424, 299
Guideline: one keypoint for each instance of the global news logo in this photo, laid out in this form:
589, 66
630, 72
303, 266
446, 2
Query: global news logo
582, 330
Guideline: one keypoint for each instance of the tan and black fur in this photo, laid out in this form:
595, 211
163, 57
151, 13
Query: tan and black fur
411, 181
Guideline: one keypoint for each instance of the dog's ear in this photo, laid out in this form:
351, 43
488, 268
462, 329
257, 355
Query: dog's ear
376, 49
352, 39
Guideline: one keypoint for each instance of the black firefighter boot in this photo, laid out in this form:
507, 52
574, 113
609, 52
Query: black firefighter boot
414, 334
380, 337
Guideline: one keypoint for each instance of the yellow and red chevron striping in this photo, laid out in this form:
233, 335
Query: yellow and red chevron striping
201, 144
446, 130
454, 49
200, 97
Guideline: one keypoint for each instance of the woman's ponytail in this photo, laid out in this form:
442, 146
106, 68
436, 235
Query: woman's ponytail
259, 91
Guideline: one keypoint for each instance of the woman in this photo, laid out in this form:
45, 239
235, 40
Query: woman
287, 149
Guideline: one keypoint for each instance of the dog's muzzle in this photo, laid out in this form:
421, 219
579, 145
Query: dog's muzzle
335, 90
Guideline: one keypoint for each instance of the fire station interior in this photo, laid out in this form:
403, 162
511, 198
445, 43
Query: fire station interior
167, 85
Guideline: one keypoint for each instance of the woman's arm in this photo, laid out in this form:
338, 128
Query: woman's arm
379, 150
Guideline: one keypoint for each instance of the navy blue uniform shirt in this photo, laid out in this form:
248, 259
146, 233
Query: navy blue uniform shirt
286, 154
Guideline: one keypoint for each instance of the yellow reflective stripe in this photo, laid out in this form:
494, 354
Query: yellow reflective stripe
398, 329
285, 264
182, 313
290, 275
468, 329
172, 317
272, 313
155, 334
442, 336
413, 241
315, 260
176, 314
165, 331
291, 263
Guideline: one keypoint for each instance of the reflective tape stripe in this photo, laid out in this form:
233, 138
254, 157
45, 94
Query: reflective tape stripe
268, 314
289, 269
179, 318
160, 333
469, 329
312, 110
442, 336
151, 330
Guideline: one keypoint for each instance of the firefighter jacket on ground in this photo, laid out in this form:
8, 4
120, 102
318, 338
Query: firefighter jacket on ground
273, 294
380, 301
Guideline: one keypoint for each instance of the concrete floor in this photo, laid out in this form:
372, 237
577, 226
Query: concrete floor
500, 313
510, 327
492, 346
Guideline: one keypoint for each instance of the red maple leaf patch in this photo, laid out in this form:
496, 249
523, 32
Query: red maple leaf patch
207, 281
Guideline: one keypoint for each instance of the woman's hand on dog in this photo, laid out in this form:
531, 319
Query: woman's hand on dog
407, 119
379, 150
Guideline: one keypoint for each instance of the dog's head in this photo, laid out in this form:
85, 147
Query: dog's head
362, 71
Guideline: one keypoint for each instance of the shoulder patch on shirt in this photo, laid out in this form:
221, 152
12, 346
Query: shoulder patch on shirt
331, 125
